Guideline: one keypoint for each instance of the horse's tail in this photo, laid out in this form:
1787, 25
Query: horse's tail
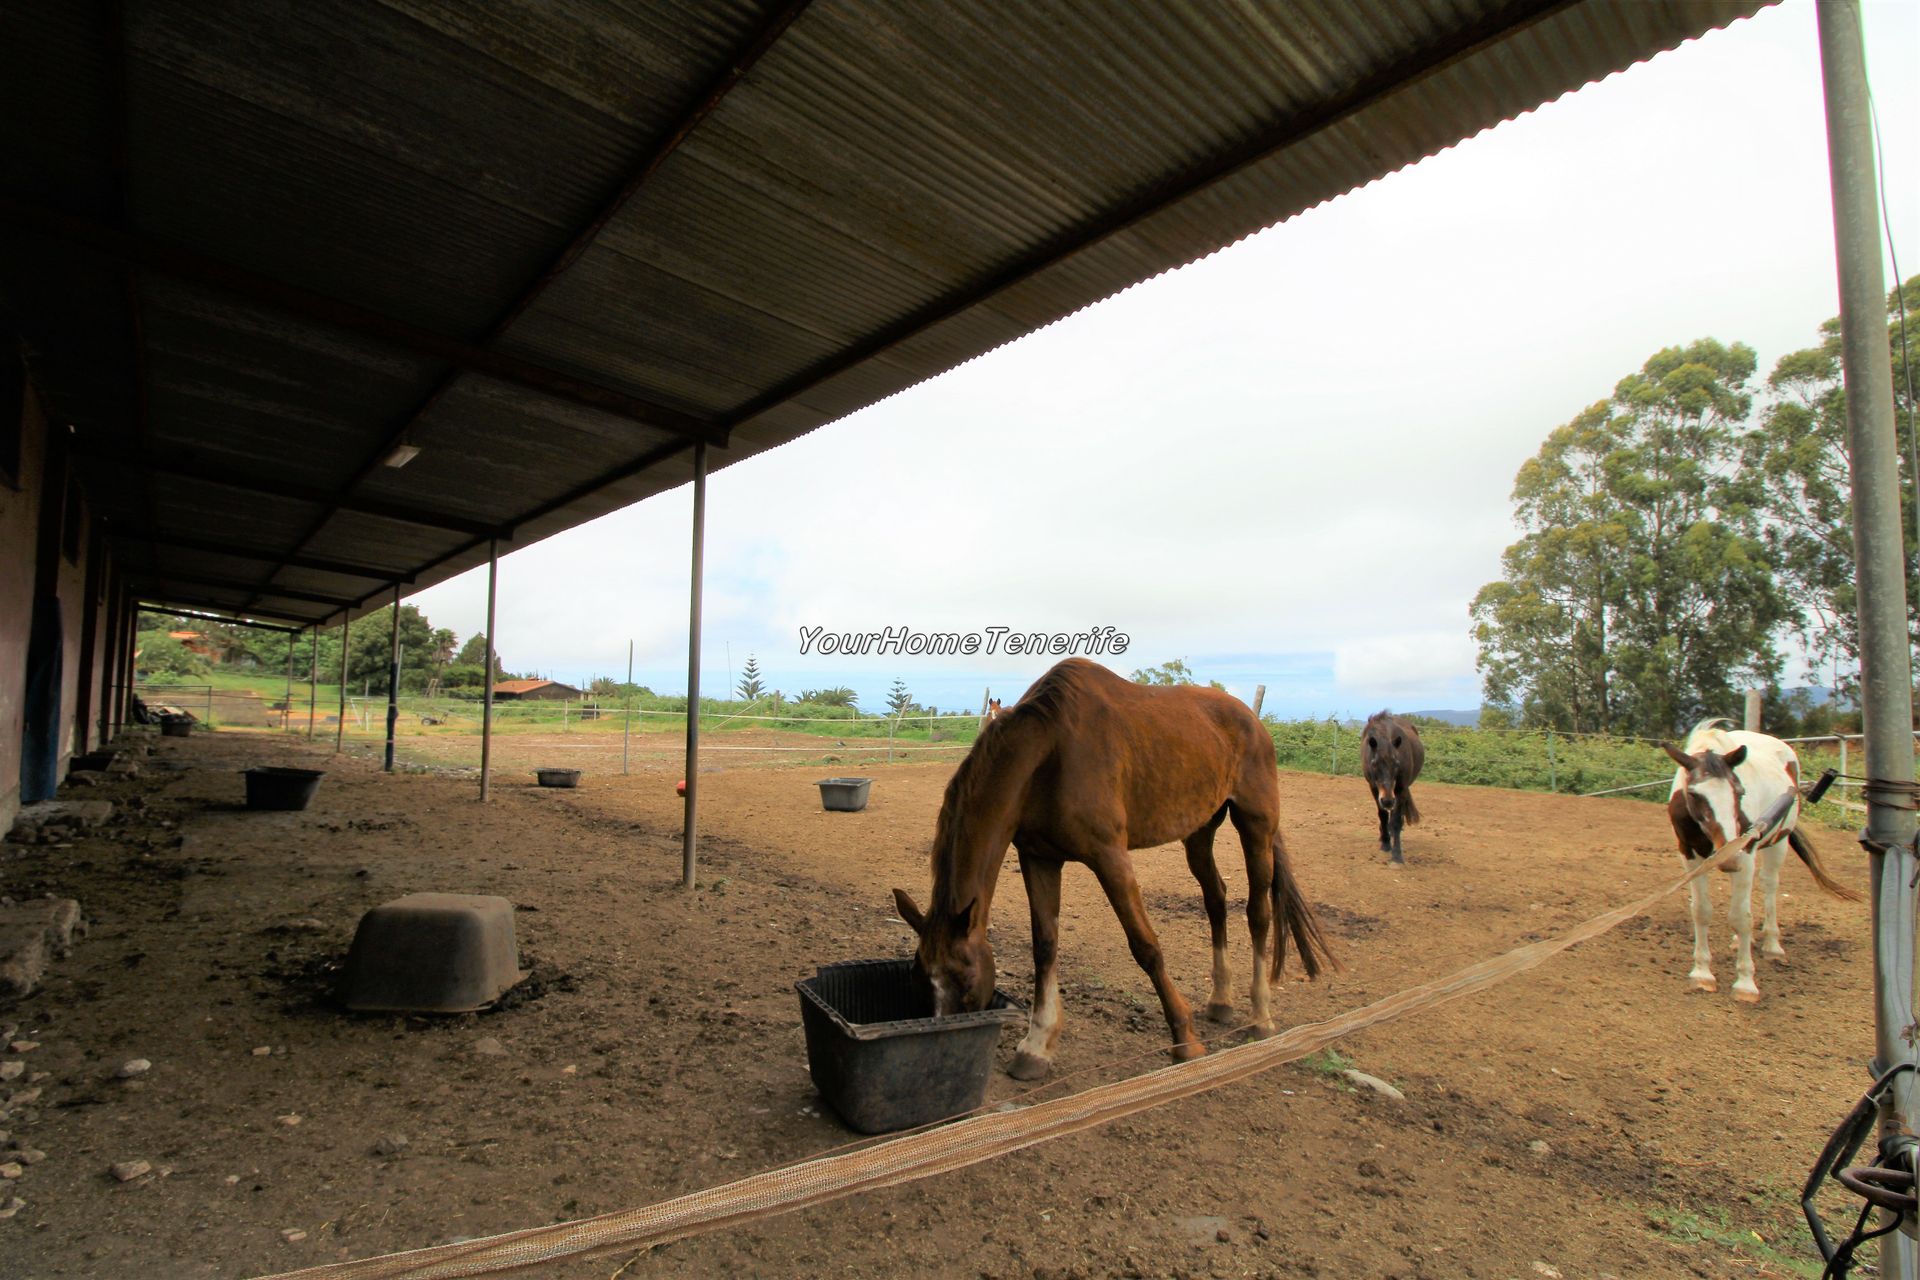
1293, 915
1820, 876
1409, 811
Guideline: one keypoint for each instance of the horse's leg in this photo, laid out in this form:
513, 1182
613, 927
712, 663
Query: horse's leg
1386, 831
1034, 1058
1701, 979
1771, 859
1115, 872
1213, 891
1740, 911
1399, 820
1256, 842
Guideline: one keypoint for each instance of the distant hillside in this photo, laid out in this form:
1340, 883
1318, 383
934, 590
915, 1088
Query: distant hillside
1466, 718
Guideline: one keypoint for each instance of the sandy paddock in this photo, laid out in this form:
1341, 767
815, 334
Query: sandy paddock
1591, 1118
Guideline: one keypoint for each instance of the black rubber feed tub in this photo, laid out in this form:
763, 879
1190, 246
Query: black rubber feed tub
844, 795
175, 726
276, 787
557, 777
879, 1056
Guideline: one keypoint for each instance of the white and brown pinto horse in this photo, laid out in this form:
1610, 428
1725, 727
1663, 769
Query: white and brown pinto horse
1727, 778
1085, 767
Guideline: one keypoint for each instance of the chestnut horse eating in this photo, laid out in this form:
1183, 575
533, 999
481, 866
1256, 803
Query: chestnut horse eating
1084, 768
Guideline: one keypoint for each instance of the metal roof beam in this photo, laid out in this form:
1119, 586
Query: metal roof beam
230, 584
273, 488
316, 563
184, 264
204, 612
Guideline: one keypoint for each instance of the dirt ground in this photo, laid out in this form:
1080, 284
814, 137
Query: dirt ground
1590, 1118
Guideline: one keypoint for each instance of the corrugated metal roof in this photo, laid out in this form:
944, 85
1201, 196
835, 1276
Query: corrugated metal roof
770, 214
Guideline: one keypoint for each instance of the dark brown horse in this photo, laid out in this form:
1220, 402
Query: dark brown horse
1084, 768
1391, 754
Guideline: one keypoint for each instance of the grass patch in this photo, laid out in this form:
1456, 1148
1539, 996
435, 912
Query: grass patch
1329, 1062
1710, 1227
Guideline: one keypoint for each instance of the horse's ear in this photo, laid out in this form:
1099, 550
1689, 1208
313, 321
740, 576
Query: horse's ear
1680, 757
908, 912
1735, 756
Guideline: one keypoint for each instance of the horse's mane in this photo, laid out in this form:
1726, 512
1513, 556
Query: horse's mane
1042, 704
1709, 735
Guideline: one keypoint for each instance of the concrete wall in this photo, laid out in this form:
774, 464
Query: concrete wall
71, 586
19, 533
33, 524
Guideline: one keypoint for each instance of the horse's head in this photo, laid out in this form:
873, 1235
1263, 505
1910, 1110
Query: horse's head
954, 957
994, 710
1383, 744
1713, 791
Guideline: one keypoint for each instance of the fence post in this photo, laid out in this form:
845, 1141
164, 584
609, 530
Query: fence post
1333, 752
1553, 771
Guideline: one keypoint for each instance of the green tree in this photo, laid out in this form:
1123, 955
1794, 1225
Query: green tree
162, 655
1640, 595
1799, 457
1171, 673
751, 687
898, 699
839, 696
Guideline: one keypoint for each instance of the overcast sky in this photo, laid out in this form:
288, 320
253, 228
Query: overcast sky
1290, 463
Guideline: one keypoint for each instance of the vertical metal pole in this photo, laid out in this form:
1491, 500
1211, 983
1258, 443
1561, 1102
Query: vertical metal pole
689, 835
313, 677
1886, 663
346, 641
1751, 722
626, 732
486, 697
393, 678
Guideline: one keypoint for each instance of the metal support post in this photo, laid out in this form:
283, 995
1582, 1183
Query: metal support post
689, 835
1886, 666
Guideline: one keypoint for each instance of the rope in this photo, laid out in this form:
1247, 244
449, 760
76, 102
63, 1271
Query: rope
967, 1142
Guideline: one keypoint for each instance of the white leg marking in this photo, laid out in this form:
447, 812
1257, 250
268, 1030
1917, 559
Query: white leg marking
1262, 989
1740, 912
1043, 1024
1771, 859
1701, 979
1222, 996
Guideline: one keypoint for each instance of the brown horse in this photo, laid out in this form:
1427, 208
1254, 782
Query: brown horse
1084, 768
1391, 756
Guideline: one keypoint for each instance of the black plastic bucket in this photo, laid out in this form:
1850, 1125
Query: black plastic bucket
276, 787
557, 777
175, 726
844, 795
879, 1056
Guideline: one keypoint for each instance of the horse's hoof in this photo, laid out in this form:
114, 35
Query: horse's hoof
1707, 985
1264, 1031
1778, 957
1027, 1067
1746, 997
1188, 1052
1222, 1013
1398, 861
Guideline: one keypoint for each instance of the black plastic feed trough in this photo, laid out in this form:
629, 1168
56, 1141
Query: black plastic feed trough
557, 777
879, 1056
844, 795
277, 787
175, 726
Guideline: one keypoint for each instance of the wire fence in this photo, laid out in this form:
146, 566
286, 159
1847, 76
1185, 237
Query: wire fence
444, 731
